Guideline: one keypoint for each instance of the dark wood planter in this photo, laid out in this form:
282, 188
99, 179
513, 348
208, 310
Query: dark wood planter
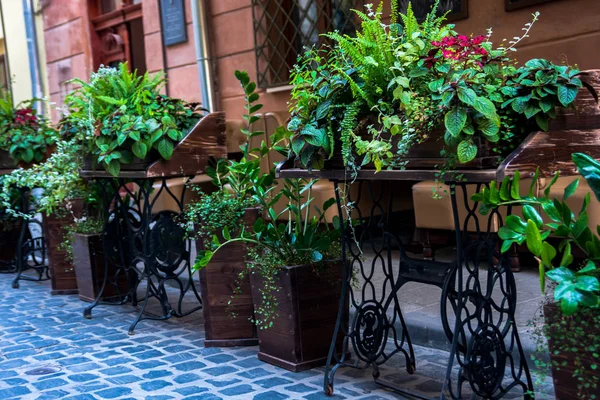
6, 161
62, 272
10, 229
426, 155
218, 283
88, 262
308, 306
565, 385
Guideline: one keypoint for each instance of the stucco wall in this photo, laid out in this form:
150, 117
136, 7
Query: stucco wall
568, 28
16, 48
67, 43
181, 67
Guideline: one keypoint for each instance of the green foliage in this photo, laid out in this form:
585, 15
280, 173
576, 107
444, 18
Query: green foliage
58, 176
577, 280
122, 115
304, 239
214, 212
410, 79
24, 133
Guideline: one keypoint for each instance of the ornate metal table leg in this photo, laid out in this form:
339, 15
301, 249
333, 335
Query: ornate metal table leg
377, 315
485, 341
33, 247
114, 245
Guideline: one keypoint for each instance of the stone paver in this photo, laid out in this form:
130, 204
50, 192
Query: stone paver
49, 351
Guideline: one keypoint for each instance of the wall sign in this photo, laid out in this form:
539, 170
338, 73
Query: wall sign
172, 13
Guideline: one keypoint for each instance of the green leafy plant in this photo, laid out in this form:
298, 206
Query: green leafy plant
576, 279
122, 115
304, 239
58, 177
24, 133
571, 266
376, 95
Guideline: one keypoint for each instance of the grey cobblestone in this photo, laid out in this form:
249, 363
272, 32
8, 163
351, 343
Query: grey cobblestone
49, 351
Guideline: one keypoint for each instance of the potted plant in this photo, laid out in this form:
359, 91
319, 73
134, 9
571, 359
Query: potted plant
82, 243
26, 136
409, 94
61, 187
124, 119
572, 325
225, 286
293, 258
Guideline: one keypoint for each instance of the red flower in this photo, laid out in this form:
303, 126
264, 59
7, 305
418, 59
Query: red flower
478, 40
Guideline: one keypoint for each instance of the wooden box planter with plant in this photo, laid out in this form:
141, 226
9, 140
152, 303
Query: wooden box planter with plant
295, 291
224, 283
419, 95
568, 252
88, 263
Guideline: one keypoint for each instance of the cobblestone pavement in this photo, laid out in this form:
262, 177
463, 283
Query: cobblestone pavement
49, 351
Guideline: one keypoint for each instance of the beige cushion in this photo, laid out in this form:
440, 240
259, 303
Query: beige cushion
436, 212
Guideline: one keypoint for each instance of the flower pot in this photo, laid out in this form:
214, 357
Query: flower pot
218, 282
88, 263
6, 161
308, 307
564, 363
62, 273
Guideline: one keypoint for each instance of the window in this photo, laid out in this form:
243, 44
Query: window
282, 28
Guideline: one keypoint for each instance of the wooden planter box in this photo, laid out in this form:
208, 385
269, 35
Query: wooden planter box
6, 161
10, 230
62, 273
218, 283
88, 262
308, 307
190, 156
565, 386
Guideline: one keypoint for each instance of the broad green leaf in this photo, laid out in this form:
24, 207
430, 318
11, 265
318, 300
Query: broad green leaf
561, 274
589, 169
587, 283
467, 96
435, 86
570, 189
114, 167
567, 257
567, 94
515, 188
455, 120
516, 224
165, 148
570, 301
531, 213
139, 149
548, 254
534, 239
488, 127
542, 121
486, 107
466, 151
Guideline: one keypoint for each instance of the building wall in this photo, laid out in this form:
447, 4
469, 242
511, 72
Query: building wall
567, 29
16, 49
68, 51
181, 68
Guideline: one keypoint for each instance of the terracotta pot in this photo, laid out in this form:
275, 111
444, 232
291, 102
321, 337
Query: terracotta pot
218, 283
308, 307
88, 263
62, 272
563, 363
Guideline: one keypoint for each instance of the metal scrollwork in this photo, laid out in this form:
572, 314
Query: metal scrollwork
371, 330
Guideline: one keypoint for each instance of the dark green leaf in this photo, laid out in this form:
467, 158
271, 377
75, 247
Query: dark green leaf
455, 120
165, 148
467, 95
567, 94
534, 239
570, 189
466, 151
486, 107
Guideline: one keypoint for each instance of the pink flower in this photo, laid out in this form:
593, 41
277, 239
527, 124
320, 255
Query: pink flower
478, 40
